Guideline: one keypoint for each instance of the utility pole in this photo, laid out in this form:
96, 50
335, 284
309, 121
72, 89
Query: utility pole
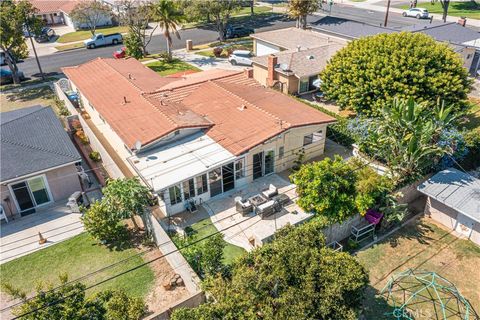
386, 13
33, 47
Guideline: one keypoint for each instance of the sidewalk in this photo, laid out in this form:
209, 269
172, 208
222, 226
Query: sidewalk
375, 5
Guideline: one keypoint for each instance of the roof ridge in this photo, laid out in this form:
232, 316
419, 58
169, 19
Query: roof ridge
104, 60
33, 147
25, 115
159, 110
248, 102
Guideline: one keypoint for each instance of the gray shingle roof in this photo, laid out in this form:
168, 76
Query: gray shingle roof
450, 32
33, 139
348, 29
456, 190
302, 63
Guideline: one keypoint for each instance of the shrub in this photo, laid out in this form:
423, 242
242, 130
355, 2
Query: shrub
370, 72
95, 156
81, 135
103, 225
217, 52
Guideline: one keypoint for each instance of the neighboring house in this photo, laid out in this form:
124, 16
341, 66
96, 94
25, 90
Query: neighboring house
463, 40
199, 136
290, 59
454, 201
38, 160
57, 12
293, 72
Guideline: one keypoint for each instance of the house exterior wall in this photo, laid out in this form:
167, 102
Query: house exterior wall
51, 18
103, 21
61, 182
291, 141
448, 217
289, 83
261, 48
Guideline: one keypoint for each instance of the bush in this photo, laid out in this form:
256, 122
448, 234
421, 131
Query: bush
82, 136
370, 72
104, 226
95, 156
217, 52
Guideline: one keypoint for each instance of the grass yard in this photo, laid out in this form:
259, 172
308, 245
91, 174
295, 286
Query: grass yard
165, 68
422, 245
76, 257
85, 34
256, 9
469, 9
27, 98
205, 227
70, 46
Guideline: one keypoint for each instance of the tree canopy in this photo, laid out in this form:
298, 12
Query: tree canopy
12, 41
300, 9
169, 17
293, 277
369, 73
91, 13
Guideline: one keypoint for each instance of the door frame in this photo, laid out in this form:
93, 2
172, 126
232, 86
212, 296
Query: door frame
44, 177
264, 163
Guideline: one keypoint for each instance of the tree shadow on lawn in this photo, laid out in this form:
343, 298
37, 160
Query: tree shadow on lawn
128, 238
375, 306
465, 5
43, 92
257, 21
416, 230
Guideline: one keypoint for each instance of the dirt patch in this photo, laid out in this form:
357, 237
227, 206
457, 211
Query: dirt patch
160, 299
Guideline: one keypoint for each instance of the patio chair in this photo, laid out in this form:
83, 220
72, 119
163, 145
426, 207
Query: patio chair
266, 209
243, 207
270, 192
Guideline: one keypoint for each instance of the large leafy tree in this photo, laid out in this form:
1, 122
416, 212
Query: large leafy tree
91, 13
369, 73
327, 188
104, 225
14, 15
136, 15
294, 277
220, 11
69, 302
169, 16
125, 198
300, 9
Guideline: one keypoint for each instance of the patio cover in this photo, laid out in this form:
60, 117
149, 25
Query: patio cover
185, 158
455, 189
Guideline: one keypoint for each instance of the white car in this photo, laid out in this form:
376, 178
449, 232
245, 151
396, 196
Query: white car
240, 57
419, 13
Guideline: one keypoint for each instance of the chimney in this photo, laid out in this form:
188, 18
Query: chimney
272, 62
248, 72
299, 48
462, 21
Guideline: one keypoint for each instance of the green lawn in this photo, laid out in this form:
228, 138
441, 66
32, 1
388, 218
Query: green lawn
422, 245
205, 228
76, 257
28, 97
259, 9
165, 68
70, 46
85, 34
469, 9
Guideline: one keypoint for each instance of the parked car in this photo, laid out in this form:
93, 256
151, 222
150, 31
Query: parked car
45, 35
6, 76
100, 40
242, 57
120, 53
238, 31
419, 13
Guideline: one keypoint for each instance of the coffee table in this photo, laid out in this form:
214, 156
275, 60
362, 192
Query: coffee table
257, 200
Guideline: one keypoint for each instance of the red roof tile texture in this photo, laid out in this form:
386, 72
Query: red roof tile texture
52, 6
235, 110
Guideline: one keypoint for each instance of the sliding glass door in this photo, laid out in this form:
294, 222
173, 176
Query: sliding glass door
258, 165
269, 162
228, 177
30, 194
215, 181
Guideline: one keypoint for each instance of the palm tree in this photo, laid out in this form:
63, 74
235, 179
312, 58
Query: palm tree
166, 13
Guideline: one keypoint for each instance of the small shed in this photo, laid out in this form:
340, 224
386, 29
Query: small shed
454, 201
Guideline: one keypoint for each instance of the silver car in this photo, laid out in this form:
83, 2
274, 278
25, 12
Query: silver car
419, 13
242, 57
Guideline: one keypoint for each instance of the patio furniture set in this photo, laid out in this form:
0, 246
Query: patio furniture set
264, 204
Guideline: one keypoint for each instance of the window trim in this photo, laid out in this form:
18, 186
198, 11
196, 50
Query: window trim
179, 186
204, 184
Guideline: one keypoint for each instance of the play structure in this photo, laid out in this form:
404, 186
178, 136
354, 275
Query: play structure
416, 294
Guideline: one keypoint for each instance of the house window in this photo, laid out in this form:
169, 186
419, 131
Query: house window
281, 152
308, 139
240, 169
303, 85
175, 194
202, 184
317, 136
188, 189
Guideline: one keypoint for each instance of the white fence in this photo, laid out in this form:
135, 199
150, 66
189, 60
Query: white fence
108, 163
340, 231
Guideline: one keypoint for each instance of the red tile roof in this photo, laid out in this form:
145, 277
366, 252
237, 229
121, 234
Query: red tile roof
52, 6
237, 112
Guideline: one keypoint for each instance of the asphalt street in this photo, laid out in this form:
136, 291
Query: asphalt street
52, 64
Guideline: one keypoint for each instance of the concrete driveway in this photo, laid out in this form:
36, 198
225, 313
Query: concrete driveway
20, 237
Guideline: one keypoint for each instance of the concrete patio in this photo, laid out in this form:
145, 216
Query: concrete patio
20, 237
251, 230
